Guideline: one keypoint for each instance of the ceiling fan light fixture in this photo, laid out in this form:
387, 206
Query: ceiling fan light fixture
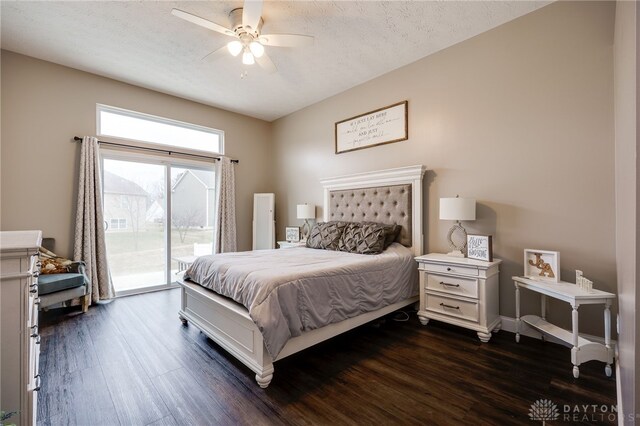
234, 47
247, 58
257, 49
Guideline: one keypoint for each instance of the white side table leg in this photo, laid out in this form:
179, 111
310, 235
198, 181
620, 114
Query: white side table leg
607, 337
574, 350
517, 313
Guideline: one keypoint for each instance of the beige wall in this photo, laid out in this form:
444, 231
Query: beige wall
44, 105
627, 212
520, 117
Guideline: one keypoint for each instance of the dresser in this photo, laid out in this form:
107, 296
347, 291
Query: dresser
460, 291
20, 342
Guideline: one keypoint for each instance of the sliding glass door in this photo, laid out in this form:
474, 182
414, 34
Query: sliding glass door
158, 218
192, 215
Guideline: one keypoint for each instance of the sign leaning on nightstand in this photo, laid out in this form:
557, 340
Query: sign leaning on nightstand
460, 291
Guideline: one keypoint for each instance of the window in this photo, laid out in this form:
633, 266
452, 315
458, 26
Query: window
118, 224
124, 124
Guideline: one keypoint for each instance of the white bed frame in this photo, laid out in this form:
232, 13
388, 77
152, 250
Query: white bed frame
228, 323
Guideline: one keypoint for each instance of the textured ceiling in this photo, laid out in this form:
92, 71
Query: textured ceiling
143, 44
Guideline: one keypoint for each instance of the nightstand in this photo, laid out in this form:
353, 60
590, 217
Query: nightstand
291, 244
460, 291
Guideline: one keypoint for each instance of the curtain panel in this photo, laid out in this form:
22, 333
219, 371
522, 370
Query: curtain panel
89, 244
225, 219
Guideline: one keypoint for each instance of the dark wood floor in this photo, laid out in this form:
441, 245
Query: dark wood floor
132, 362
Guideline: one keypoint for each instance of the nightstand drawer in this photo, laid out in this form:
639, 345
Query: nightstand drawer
451, 269
452, 307
467, 287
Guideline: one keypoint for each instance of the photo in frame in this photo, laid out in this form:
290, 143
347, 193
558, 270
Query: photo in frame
480, 247
292, 234
381, 126
542, 265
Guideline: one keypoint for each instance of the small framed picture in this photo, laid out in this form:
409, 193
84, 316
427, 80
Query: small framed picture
292, 233
543, 265
480, 247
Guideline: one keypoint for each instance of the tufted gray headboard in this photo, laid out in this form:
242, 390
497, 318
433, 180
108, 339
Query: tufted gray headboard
386, 196
383, 204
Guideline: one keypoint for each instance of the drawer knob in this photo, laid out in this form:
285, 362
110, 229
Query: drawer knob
448, 269
34, 290
449, 284
449, 306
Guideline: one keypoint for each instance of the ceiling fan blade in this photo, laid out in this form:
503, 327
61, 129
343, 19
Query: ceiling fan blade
266, 63
286, 40
251, 14
202, 22
216, 54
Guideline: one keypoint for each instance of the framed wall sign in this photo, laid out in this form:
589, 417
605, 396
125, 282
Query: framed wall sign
480, 247
292, 233
381, 126
543, 265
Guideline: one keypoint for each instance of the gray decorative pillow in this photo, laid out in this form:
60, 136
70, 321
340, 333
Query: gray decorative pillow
390, 232
325, 235
362, 238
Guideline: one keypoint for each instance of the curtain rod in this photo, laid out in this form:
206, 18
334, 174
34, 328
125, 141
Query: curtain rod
164, 151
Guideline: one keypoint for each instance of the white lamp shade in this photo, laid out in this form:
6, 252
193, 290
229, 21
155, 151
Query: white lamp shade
457, 209
306, 211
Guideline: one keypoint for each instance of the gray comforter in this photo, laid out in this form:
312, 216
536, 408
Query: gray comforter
290, 291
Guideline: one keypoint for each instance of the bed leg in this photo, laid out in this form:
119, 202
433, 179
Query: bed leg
183, 319
263, 381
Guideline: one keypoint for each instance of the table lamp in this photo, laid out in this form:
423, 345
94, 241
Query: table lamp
306, 212
457, 209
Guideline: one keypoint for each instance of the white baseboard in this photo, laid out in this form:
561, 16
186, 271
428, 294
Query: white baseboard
509, 324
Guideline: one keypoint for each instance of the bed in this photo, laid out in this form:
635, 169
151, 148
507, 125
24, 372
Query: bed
389, 196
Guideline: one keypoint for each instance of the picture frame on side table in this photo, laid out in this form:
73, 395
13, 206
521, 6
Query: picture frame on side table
292, 234
480, 247
542, 265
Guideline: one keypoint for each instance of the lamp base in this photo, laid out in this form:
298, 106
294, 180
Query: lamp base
306, 230
457, 238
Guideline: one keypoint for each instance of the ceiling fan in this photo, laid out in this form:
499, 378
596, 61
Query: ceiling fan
246, 28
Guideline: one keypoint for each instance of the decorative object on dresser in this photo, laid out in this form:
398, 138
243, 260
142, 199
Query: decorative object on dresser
290, 244
306, 212
378, 127
582, 350
20, 349
542, 265
292, 234
457, 209
480, 247
462, 292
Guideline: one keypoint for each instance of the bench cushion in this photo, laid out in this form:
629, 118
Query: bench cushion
52, 283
